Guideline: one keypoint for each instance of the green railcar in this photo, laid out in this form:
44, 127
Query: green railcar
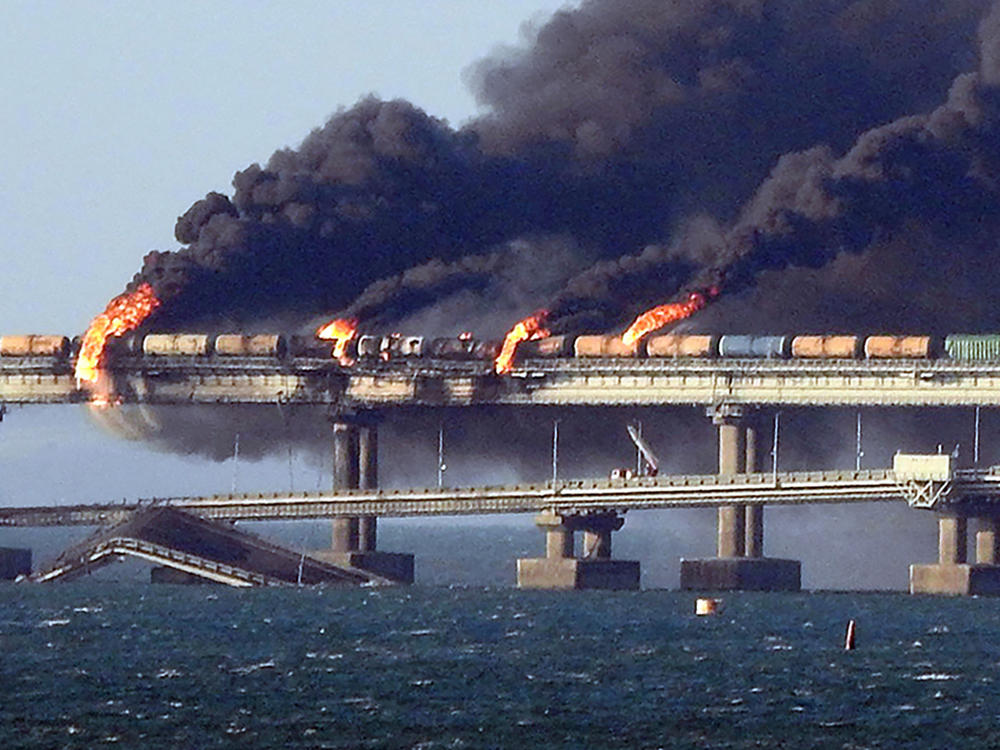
973, 346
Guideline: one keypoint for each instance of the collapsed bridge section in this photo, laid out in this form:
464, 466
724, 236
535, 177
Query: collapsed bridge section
195, 548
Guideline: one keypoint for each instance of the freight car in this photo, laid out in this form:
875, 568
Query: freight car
605, 346
35, 345
371, 347
388, 347
177, 345
260, 345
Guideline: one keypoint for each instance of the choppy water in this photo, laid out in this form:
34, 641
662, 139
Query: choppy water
88, 665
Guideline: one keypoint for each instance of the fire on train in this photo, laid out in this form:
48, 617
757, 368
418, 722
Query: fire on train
373, 348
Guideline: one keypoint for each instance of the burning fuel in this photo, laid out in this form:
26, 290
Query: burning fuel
662, 315
601, 114
529, 329
123, 314
341, 331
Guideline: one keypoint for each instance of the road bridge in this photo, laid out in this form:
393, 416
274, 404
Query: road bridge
733, 391
954, 491
597, 507
556, 382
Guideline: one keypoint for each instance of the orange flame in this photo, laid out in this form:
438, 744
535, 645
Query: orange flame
340, 331
529, 329
663, 314
123, 314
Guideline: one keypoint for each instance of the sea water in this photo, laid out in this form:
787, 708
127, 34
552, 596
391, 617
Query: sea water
101, 664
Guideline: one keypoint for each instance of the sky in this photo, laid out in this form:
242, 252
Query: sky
116, 116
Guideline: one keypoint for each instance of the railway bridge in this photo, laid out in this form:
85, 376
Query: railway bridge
735, 394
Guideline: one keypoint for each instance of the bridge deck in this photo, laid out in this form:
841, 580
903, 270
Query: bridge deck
536, 382
575, 496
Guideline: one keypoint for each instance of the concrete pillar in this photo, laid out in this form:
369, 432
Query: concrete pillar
952, 540
740, 564
953, 575
754, 524
368, 480
988, 541
559, 543
732, 446
561, 569
345, 477
345, 456
597, 544
345, 534
355, 466
732, 460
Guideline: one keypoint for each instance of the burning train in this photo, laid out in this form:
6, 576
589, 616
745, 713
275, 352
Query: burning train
369, 348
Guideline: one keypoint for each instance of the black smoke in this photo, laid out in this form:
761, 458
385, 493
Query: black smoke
607, 131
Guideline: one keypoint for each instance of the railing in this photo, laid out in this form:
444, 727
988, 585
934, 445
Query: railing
569, 496
101, 553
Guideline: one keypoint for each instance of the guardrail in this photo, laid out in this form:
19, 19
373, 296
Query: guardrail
570, 496
100, 554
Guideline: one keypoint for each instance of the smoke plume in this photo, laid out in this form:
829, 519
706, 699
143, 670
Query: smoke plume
666, 142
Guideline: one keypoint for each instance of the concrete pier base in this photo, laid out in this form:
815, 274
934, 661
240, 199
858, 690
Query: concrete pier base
14, 562
576, 573
741, 574
560, 569
955, 580
396, 566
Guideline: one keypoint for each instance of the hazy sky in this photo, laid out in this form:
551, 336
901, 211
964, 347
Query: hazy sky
116, 116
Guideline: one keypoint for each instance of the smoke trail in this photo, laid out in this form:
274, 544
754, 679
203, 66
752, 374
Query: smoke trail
615, 121
935, 171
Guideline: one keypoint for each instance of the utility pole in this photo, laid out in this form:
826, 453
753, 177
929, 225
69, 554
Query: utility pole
555, 451
975, 444
858, 452
774, 447
441, 465
236, 461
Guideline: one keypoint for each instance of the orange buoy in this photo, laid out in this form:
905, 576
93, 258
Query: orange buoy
704, 607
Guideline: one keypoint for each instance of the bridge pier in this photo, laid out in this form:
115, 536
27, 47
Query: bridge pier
354, 539
953, 574
561, 569
740, 564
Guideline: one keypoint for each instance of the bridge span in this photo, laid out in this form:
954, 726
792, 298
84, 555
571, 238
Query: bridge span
954, 490
735, 392
558, 382
597, 508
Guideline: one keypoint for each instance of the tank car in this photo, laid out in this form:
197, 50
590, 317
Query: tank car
129, 345
826, 347
177, 345
369, 346
603, 346
682, 345
899, 347
403, 346
456, 347
488, 350
259, 345
34, 345
311, 347
549, 347
755, 347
